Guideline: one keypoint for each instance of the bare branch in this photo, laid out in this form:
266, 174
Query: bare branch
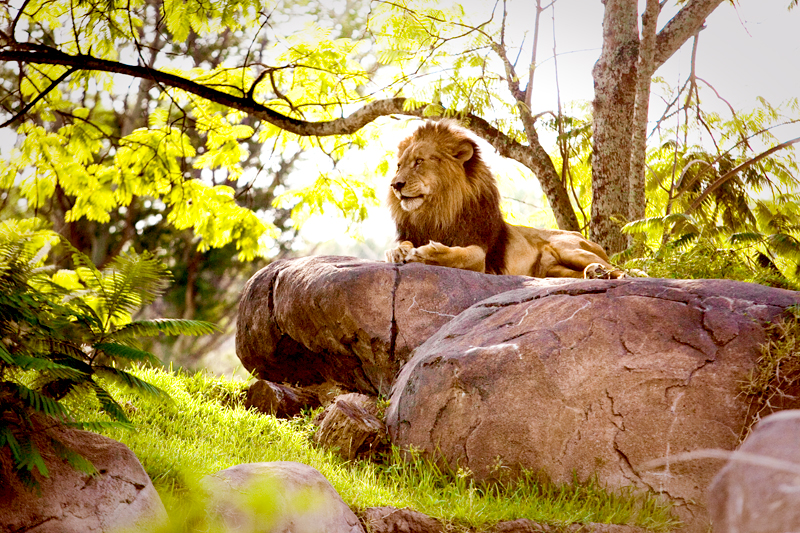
685, 24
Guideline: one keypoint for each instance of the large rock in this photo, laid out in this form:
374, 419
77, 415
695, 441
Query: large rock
754, 492
120, 495
591, 378
350, 321
278, 497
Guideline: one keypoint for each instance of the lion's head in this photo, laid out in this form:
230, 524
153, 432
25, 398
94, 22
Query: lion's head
441, 184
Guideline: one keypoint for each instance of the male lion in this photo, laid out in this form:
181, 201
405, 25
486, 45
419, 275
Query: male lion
446, 206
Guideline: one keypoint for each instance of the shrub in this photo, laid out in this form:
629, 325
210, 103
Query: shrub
69, 332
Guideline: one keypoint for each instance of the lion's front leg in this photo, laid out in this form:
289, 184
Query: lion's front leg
471, 257
399, 253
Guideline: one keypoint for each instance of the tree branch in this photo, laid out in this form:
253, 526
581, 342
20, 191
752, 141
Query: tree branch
340, 126
728, 175
39, 96
684, 25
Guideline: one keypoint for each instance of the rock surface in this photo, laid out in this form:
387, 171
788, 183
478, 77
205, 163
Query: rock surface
350, 426
119, 496
529, 526
350, 321
278, 497
591, 377
394, 520
749, 497
280, 401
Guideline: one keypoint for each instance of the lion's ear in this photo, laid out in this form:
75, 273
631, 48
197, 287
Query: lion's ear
464, 151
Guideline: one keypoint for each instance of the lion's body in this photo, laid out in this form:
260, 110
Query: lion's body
446, 207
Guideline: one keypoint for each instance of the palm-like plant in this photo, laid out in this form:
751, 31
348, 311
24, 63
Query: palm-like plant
70, 332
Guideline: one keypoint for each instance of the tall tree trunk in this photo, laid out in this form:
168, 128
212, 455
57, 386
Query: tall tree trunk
615, 98
637, 200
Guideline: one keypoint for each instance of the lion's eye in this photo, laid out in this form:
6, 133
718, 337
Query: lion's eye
418, 162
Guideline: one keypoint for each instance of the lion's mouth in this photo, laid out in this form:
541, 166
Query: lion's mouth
409, 203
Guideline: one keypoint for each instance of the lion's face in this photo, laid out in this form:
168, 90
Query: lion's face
422, 167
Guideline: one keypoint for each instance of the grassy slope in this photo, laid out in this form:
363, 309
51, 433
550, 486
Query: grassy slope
205, 429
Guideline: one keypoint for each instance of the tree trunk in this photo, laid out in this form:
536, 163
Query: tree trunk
637, 201
615, 98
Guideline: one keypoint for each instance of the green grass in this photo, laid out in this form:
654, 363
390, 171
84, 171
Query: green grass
205, 428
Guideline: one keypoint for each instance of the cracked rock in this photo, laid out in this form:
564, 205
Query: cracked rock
119, 496
592, 378
349, 321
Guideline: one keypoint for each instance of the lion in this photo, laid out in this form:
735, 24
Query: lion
445, 204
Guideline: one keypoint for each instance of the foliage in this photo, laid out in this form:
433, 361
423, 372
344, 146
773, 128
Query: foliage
70, 333
180, 442
723, 214
775, 379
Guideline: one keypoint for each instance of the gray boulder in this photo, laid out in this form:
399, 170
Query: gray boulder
119, 496
591, 378
348, 321
758, 490
278, 497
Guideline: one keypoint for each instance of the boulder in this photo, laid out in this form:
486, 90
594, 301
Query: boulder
349, 321
281, 401
119, 496
350, 426
277, 497
590, 377
755, 492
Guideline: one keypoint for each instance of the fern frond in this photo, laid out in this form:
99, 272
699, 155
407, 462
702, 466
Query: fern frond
39, 402
131, 281
746, 237
7, 438
75, 460
649, 226
166, 326
5, 355
108, 404
130, 381
30, 458
128, 353
44, 365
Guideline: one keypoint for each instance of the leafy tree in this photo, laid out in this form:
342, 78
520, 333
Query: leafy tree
309, 85
68, 332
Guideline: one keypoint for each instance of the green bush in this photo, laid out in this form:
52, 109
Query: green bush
69, 333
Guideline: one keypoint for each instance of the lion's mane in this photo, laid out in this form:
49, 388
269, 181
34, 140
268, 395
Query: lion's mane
466, 207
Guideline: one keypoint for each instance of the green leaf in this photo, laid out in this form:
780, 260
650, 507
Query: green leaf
128, 353
166, 326
130, 381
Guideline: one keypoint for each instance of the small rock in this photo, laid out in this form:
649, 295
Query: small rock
350, 426
524, 525
281, 401
393, 520
278, 497
748, 497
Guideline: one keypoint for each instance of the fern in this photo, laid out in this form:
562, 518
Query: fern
69, 333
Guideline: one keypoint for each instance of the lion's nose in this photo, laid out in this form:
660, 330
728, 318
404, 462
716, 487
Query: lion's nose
398, 185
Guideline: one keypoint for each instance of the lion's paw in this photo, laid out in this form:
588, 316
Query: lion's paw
399, 254
598, 271
433, 253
